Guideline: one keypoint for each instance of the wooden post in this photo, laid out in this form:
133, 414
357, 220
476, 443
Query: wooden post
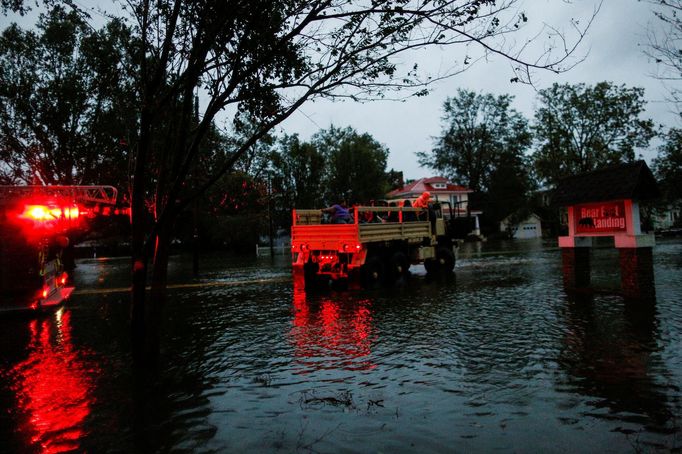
576, 267
637, 273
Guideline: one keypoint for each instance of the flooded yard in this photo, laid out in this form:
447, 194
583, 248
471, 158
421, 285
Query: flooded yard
497, 357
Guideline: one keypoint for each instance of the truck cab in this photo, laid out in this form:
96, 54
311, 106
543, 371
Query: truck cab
36, 228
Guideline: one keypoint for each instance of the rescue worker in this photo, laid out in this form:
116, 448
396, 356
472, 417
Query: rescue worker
339, 212
423, 200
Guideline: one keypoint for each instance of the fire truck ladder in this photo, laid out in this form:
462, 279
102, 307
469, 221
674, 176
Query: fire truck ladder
105, 195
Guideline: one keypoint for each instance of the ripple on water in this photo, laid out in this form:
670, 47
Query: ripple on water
496, 357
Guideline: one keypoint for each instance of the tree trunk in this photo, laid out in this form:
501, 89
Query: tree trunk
157, 297
138, 307
139, 221
147, 310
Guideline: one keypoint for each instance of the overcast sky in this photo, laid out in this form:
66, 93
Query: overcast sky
614, 48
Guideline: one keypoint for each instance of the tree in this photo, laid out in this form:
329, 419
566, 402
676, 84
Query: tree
668, 166
664, 45
395, 179
238, 204
480, 131
255, 160
580, 128
267, 58
298, 171
509, 191
67, 102
355, 165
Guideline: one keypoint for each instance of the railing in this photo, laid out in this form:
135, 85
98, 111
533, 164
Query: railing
360, 215
370, 224
283, 249
84, 194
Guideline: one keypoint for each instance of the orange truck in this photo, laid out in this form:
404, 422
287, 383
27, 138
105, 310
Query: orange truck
36, 223
378, 247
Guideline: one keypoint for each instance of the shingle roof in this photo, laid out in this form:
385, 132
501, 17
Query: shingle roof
624, 181
426, 184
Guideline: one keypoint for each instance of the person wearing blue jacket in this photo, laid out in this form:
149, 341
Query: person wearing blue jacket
339, 213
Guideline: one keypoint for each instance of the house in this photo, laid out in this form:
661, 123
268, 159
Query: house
668, 217
443, 190
531, 227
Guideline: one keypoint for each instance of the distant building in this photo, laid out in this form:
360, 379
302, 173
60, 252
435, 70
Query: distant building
444, 191
531, 227
667, 218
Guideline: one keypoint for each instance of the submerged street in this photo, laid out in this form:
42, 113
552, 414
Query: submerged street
496, 357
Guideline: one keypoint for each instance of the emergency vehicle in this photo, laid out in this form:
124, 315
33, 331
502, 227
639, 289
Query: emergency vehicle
37, 224
378, 247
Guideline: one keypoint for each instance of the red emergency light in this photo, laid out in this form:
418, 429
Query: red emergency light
48, 216
45, 213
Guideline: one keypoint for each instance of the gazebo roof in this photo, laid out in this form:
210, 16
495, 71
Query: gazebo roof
624, 181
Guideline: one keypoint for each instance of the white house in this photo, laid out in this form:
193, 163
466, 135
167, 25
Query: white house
444, 191
531, 227
667, 218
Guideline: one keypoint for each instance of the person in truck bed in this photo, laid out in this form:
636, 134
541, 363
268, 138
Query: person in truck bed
339, 213
422, 202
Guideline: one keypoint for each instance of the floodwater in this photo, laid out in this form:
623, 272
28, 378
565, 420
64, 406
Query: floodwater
497, 357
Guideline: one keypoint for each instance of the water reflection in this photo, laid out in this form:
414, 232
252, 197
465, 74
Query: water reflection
330, 333
498, 360
611, 355
53, 387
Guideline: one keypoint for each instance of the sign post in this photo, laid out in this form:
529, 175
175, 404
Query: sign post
604, 203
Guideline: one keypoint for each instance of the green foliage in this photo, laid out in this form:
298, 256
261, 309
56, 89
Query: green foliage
480, 133
298, 174
580, 128
356, 165
256, 158
296, 178
67, 101
337, 164
668, 166
395, 179
233, 212
509, 191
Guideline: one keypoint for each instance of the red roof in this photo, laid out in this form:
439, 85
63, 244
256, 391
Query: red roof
428, 184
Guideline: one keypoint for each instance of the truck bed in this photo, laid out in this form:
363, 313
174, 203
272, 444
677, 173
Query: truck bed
308, 228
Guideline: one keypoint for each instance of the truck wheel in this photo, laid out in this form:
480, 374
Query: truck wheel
310, 270
398, 267
340, 284
446, 259
431, 265
372, 272
443, 263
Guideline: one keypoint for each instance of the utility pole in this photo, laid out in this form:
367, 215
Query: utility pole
195, 213
270, 223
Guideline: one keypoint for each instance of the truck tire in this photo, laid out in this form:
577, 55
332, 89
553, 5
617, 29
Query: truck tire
431, 266
310, 270
340, 284
398, 268
443, 263
372, 272
446, 259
